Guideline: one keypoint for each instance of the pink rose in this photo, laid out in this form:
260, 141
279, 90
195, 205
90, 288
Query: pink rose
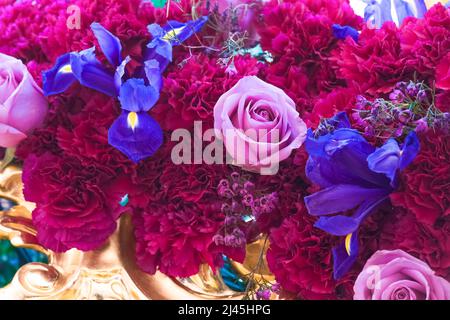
396, 275
23, 106
259, 124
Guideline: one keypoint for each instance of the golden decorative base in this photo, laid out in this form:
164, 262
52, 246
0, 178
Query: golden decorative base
107, 273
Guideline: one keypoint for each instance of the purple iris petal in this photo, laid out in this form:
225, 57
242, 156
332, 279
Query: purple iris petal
314, 169
340, 121
385, 159
388, 159
139, 142
181, 32
327, 144
91, 73
330, 200
109, 43
120, 72
136, 96
153, 74
159, 50
410, 150
172, 25
342, 32
59, 78
342, 261
342, 225
340, 158
174, 33
155, 30
337, 225
354, 177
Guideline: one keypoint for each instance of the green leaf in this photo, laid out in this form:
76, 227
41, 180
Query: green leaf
159, 3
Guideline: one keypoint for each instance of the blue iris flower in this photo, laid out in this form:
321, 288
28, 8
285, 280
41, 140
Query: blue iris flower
85, 68
342, 32
172, 34
378, 12
353, 175
135, 132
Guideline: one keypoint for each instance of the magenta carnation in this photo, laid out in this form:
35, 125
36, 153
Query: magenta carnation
188, 231
374, 64
73, 207
300, 257
426, 41
431, 244
424, 189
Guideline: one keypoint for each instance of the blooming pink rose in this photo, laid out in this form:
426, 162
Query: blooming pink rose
23, 106
396, 275
258, 123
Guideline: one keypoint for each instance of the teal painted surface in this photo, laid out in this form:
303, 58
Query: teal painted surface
11, 259
231, 278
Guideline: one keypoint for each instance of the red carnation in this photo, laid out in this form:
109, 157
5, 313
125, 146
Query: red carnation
374, 64
300, 257
190, 182
176, 238
430, 244
85, 136
426, 41
425, 190
341, 99
73, 210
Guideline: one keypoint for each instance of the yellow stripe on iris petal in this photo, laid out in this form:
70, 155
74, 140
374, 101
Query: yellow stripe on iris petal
66, 69
348, 240
173, 33
133, 120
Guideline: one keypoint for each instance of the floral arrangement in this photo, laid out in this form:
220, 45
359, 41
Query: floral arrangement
218, 123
